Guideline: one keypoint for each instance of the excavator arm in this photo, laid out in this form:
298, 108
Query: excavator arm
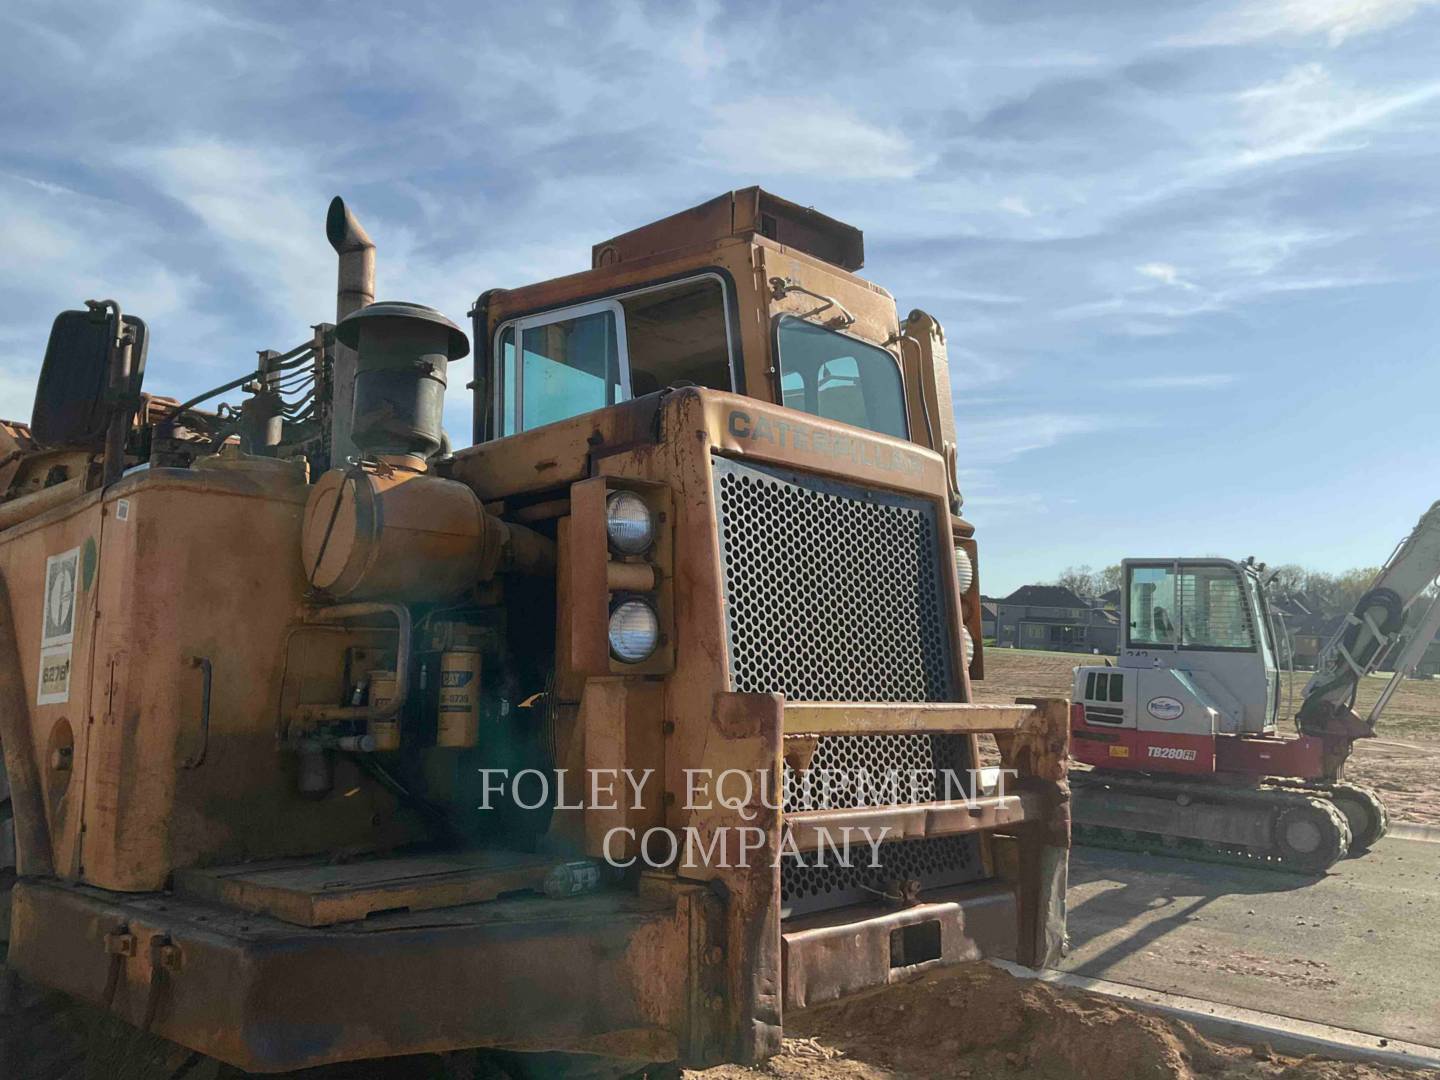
1400, 597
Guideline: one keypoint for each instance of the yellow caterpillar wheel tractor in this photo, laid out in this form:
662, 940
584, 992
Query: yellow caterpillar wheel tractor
323, 743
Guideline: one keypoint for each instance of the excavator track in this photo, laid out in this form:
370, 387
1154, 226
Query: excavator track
1290, 828
1363, 808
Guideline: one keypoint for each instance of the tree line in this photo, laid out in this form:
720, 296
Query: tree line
1320, 592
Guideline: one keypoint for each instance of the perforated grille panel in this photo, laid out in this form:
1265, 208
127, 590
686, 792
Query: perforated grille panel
850, 771
833, 592
943, 860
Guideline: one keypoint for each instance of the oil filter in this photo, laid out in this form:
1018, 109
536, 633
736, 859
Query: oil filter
386, 733
459, 721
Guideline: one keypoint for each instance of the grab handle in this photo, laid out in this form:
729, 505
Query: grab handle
206, 671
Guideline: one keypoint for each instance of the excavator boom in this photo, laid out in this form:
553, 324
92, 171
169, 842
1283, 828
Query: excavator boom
1370, 632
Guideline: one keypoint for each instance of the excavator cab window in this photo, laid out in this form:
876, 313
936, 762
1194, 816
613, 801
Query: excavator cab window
1198, 606
1151, 606
1214, 608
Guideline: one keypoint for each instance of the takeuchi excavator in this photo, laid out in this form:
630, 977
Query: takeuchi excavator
1183, 736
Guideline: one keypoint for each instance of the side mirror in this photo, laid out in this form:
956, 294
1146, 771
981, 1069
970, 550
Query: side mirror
73, 404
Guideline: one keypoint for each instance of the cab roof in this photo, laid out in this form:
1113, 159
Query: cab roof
743, 213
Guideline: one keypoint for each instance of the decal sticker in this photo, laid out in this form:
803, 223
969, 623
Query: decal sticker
1172, 753
59, 617
1165, 708
1119, 751
122, 510
54, 675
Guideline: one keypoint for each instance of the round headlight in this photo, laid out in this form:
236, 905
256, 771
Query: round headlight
964, 570
628, 523
634, 631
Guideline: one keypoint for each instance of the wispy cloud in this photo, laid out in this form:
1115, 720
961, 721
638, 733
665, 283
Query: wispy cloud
1306, 111
798, 136
1195, 381
996, 440
1014, 204
1335, 20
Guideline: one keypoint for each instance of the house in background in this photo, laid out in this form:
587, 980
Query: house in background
1306, 631
1053, 617
987, 617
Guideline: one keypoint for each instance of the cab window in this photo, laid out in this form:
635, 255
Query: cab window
1214, 610
831, 375
1152, 606
578, 359
1189, 606
678, 335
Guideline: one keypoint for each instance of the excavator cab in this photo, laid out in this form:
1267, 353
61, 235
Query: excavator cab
1208, 618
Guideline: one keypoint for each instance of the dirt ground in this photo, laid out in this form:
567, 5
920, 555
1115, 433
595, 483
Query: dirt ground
976, 1022
1403, 763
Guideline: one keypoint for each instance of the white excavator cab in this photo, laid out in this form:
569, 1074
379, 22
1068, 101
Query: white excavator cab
1206, 618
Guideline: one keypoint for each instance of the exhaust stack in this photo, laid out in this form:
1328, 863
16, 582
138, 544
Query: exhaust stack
355, 289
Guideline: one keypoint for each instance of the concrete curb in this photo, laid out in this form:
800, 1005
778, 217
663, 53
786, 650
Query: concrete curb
1407, 830
1247, 1026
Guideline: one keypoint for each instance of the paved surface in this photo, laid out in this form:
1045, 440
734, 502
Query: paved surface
1358, 948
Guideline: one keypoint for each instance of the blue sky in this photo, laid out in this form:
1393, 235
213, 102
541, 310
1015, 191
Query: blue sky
1186, 254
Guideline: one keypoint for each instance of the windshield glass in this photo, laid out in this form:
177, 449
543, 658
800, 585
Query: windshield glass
834, 376
1193, 606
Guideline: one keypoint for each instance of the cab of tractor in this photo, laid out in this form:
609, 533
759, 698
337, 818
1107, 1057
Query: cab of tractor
749, 294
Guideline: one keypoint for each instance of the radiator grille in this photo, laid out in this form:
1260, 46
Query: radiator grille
833, 592
934, 863
862, 769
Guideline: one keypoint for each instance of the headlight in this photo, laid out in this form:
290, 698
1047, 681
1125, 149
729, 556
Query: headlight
964, 570
628, 524
634, 631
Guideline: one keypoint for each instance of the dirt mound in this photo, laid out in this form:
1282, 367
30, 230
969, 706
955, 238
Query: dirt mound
969, 1023
978, 1022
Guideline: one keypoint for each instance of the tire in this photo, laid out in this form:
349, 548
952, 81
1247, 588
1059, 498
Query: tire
1311, 836
1364, 812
